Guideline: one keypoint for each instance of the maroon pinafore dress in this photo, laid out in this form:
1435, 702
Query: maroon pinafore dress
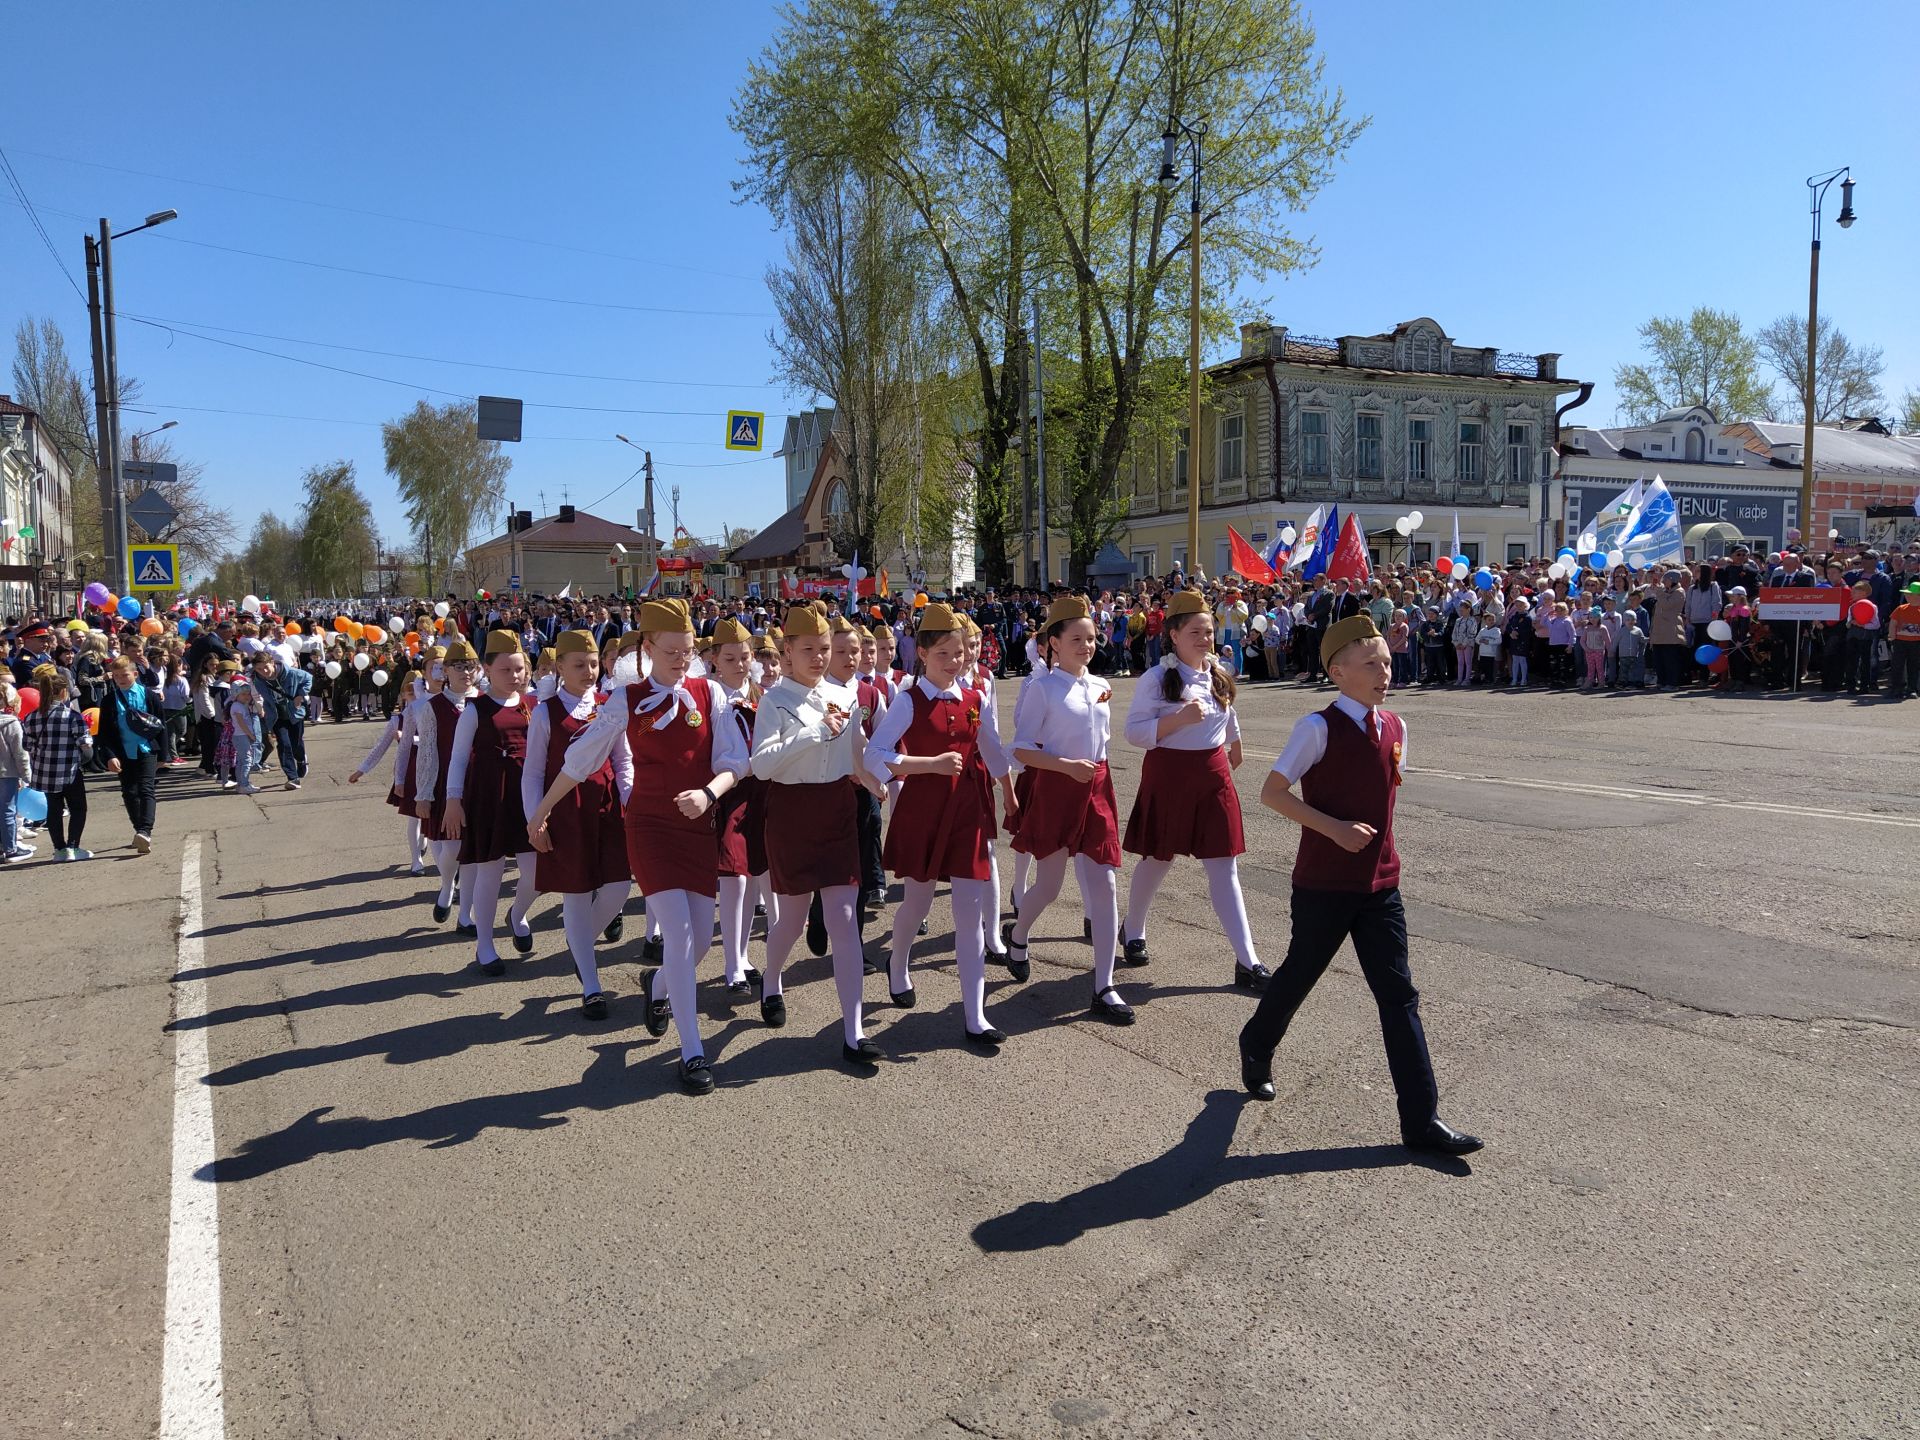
496, 819
589, 835
667, 850
942, 824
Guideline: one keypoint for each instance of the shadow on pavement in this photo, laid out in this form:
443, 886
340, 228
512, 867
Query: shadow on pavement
1193, 1169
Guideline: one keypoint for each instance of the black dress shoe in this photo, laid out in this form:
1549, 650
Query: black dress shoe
922, 930
1115, 1011
696, 1076
902, 999
467, 929
739, 987
773, 1010
524, 943
440, 913
752, 976
594, 1007
987, 1039
1251, 977
1135, 953
867, 967
874, 899
1257, 1075
866, 1053
492, 968
659, 1012
1442, 1139
653, 950
616, 927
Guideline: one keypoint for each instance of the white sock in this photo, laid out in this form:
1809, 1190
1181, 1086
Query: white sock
1149, 875
994, 942
1049, 873
483, 904
736, 920
466, 889
972, 907
413, 842
608, 901
786, 918
1230, 905
1022, 873
914, 905
1100, 894
577, 916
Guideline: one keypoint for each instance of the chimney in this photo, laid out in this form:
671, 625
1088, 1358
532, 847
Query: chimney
1261, 337
566, 514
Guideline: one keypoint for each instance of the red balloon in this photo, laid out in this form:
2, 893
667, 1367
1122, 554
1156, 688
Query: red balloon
29, 701
1444, 564
1720, 666
1864, 612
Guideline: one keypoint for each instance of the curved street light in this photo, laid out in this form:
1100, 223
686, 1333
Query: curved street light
1817, 185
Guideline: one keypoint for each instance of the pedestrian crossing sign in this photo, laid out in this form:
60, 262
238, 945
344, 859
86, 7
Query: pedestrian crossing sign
744, 428
153, 567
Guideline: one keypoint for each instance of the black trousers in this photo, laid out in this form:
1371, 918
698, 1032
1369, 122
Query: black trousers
1322, 919
67, 813
867, 816
209, 743
138, 790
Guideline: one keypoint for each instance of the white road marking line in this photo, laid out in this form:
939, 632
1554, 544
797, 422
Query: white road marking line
1672, 797
191, 1402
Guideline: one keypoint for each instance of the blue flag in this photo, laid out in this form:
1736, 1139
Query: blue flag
1323, 547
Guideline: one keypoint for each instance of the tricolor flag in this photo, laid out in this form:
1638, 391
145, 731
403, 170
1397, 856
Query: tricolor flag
1321, 554
1307, 540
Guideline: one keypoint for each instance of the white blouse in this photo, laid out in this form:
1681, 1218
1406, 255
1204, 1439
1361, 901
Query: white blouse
606, 738
883, 750
1219, 724
791, 742
1063, 715
533, 775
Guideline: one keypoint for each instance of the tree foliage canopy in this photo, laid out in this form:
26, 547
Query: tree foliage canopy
1705, 359
1846, 376
450, 480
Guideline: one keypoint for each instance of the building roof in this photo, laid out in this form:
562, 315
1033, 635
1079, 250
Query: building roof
783, 537
588, 531
1856, 452
10, 406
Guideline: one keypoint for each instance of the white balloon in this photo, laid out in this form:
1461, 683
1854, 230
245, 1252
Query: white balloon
1557, 570
380, 677
362, 660
397, 626
250, 604
1403, 527
443, 609
1416, 519
1616, 558
1288, 534
333, 669
1719, 630
1260, 624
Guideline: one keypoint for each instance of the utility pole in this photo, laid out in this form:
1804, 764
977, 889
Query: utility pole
1040, 446
103, 470
653, 540
117, 560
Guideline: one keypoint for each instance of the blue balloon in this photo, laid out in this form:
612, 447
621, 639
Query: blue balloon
1707, 654
1483, 579
31, 806
129, 608
187, 626
1597, 561
1460, 562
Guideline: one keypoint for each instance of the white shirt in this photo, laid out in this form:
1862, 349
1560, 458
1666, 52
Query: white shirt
1063, 715
1308, 742
533, 775
426, 755
883, 750
606, 738
791, 742
1219, 724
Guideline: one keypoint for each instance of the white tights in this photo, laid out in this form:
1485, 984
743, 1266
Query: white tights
994, 942
737, 894
787, 917
583, 917
686, 929
1223, 885
446, 859
1022, 876
1099, 895
416, 847
488, 878
973, 912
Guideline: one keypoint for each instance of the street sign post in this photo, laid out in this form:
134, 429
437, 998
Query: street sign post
152, 568
513, 583
744, 429
152, 511
497, 418
153, 472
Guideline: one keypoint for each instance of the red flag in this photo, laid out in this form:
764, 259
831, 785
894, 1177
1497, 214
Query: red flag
1350, 555
1246, 560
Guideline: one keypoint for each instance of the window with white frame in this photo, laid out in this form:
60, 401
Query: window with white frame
1231, 447
1469, 469
1519, 453
1313, 443
1146, 561
1368, 430
1180, 463
1516, 552
1419, 450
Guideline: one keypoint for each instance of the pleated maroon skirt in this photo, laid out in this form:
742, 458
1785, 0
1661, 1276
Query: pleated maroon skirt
812, 836
1186, 806
1058, 813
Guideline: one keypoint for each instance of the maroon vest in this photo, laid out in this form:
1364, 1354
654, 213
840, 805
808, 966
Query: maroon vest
1357, 779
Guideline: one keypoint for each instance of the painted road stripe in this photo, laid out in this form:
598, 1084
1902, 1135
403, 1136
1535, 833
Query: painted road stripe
191, 1405
1672, 797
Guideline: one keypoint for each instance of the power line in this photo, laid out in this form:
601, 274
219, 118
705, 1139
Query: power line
465, 289
401, 219
13, 183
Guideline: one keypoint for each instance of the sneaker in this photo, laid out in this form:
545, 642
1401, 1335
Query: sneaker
20, 856
293, 784
142, 844
74, 852
248, 789
228, 784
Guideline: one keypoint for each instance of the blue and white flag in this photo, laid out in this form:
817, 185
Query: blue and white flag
1653, 537
1321, 555
1609, 526
1305, 542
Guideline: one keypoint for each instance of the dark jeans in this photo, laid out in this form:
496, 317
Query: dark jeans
174, 737
1860, 667
1903, 677
1322, 919
67, 813
209, 743
291, 735
139, 790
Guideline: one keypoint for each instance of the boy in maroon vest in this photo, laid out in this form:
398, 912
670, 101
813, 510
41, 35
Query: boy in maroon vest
1349, 761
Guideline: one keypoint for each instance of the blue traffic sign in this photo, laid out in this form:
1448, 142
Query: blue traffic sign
153, 567
744, 428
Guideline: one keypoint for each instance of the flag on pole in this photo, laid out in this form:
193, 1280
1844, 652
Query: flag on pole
1278, 556
1604, 531
1246, 561
1653, 537
1321, 553
1349, 560
1306, 540
651, 585
1456, 535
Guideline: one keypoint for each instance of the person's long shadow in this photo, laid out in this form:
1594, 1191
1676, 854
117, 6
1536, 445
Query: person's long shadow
272, 922
440, 984
322, 882
1193, 1169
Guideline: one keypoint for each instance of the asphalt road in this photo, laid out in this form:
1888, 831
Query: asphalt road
1667, 948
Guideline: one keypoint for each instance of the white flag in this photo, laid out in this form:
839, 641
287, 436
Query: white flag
1308, 539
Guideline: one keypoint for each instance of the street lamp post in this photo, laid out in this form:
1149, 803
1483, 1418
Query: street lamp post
106, 386
134, 443
653, 541
1817, 185
1169, 148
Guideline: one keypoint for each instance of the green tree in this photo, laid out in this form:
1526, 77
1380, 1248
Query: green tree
450, 480
336, 536
1705, 359
1846, 376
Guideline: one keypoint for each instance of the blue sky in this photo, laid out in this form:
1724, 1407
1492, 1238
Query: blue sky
1537, 177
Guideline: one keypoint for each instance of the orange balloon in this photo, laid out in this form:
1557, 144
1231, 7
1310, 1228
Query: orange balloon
150, 626
439, 627
92, 716
293, 627
413, 638
341, 623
